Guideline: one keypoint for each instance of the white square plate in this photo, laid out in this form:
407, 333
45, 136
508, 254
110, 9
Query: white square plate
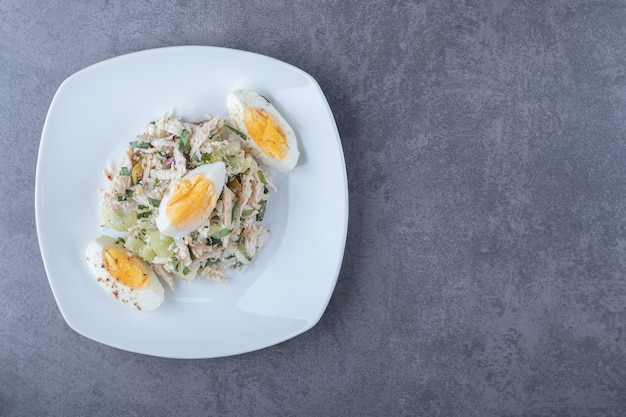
93, 116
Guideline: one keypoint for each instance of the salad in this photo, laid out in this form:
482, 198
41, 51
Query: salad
167, 151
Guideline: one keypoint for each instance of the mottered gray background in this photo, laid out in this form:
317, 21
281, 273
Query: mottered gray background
484, 272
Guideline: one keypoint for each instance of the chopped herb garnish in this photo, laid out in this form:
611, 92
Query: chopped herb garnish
153, 122
246, 213
185, 271
197, 158
206, 157
129, 193
261, 213
140, 145
121, 240
262, 177
265, 98
183, 140
175, 262
154, 202
239, 133
121, 198
124, 172
141, 207
235, 208
143, 231
211, 261
242, 248
196, 236
221, 233
235, 185
265, 190
162, 154
157, 181
144, 214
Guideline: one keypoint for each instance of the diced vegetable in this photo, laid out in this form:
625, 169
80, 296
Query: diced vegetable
190, 274
214, 228
237, 161
134, 245
234, 185
116, 219
136, 174
147, 253
231, 149
222, 233
242, 248
160, 244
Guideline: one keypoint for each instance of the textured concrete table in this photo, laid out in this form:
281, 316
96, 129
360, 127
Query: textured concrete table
485, 268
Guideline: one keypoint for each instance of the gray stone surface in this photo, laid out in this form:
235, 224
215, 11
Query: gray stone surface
485, 268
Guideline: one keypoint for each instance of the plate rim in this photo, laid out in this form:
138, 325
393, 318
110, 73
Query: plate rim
313, 320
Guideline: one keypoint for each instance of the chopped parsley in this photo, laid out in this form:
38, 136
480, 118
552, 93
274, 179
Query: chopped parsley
140, 145
261, 213
235, 209
144, 214
262, 177
211, 261
221, 233
237, 132
183, 141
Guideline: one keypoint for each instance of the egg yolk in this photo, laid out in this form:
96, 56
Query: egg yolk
264, 130
191, 201
125, 268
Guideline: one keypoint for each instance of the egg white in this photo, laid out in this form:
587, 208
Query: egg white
237, 102
148, 298
216, 173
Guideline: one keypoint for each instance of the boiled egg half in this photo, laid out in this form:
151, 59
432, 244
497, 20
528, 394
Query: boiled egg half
128, 278
189, 202
270, 138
